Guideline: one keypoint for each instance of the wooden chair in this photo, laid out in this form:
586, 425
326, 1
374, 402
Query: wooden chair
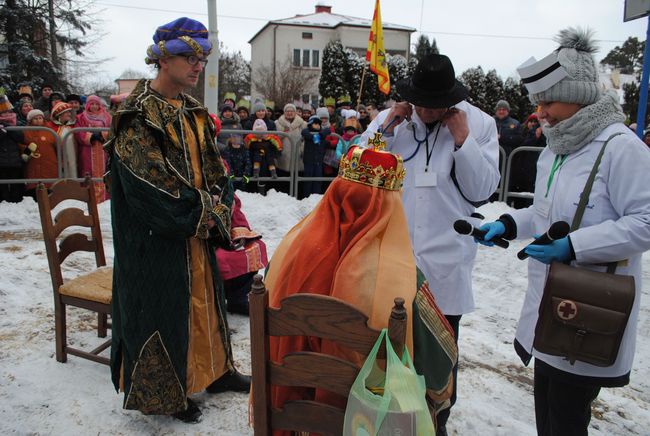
90, 291
309, 315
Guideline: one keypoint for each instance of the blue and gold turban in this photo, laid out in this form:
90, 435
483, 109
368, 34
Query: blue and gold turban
183, 35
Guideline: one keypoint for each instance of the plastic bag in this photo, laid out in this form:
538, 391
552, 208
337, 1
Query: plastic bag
387, 403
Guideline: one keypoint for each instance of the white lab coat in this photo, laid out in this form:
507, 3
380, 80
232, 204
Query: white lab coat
615, 226
445, 257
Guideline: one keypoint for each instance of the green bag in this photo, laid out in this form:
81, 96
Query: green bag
387, 403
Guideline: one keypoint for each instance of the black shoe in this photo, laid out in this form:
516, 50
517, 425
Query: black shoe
230, 381
441, 431
240, 309
191, 415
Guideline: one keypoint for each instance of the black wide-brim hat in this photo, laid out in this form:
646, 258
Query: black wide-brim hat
433, 84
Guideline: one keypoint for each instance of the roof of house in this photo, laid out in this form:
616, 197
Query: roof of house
331, 21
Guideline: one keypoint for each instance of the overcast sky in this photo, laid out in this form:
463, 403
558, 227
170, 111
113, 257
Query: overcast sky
497, 34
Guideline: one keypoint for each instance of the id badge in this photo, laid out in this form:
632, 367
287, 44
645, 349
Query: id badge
425, 179
543, 207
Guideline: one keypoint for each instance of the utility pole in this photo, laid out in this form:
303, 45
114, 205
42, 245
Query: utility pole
211, 96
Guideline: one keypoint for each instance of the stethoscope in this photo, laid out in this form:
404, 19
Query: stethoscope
419, 142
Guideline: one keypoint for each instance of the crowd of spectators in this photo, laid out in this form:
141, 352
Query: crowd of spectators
322, 135
32, 153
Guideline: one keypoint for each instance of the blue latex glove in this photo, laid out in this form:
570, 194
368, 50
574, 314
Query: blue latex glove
558, 250
493, 229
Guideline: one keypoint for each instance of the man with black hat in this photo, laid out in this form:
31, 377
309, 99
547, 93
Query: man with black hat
170, 208
451, 156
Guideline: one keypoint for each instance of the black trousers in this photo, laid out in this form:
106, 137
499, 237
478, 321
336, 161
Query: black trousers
562, 409
443, 416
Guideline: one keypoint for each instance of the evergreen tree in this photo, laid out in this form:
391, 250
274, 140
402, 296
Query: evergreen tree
631, 93
40, 36
424, 47
493, 92
333, 72
474, 80
353, 71
398, 70
628, 57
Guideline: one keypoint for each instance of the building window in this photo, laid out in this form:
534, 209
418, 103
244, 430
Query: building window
307, 35
305, 58
315, 58
296, 57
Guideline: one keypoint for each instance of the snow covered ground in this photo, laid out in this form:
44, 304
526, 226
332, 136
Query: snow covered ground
38, 395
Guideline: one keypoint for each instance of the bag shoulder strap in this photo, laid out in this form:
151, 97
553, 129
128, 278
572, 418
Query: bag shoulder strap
584, 197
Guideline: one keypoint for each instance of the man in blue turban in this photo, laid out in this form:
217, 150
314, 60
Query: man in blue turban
170, 209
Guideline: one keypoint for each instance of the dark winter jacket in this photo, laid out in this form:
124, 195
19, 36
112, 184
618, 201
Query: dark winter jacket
238, 160
509, 131
9, 149
314, 145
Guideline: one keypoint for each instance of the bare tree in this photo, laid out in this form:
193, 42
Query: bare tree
286, 84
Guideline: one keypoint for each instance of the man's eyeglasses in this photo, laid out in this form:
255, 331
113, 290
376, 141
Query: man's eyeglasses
193, 60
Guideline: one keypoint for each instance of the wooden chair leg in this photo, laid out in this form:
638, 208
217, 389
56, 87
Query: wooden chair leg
102, 322
60, 331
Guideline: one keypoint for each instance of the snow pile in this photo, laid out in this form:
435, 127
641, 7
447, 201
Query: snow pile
38, 395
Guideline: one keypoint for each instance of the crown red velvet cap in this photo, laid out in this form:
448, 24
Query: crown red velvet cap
379, 169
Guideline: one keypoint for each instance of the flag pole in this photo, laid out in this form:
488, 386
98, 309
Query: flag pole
363, 76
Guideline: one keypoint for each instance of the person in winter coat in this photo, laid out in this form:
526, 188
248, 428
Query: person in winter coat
293, 125
11, 165
238, 159
229, 121
24, 106
264, 149
524, 163
38, 150
332, 144
258, 112
615, 225
314, 137
62, 120
91, 157
442, 138
508, 129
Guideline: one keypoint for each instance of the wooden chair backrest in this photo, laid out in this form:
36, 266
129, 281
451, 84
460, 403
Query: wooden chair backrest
318, 316
53, 227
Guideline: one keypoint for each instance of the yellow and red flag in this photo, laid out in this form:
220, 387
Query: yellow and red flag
376, 55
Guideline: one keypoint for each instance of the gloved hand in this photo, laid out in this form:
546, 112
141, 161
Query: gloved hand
558, 250
493, 229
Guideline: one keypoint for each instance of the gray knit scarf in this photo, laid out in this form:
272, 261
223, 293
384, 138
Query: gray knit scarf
572, 134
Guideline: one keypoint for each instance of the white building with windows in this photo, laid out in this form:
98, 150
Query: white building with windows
302, 39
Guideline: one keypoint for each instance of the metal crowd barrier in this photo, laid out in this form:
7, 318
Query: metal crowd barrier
294, 179
507, 193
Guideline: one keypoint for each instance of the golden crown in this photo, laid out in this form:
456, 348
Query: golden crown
373, 166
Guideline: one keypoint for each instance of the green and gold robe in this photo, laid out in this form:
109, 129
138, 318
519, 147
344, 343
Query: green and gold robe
169, 329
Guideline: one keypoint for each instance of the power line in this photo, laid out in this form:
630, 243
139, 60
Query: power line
487, 35
142, 8
235, 17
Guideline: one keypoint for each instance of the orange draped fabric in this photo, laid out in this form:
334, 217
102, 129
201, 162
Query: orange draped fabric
354, 246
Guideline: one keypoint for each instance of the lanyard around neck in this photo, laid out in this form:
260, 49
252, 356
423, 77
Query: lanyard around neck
557, 163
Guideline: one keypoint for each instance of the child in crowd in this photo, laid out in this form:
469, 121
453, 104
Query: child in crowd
264, 149
314, 136
38, 152
238, 159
